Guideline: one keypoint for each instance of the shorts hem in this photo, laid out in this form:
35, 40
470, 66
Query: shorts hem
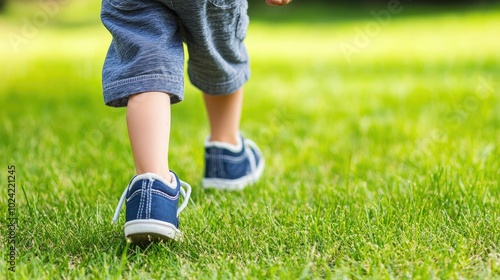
222, 88
116, 94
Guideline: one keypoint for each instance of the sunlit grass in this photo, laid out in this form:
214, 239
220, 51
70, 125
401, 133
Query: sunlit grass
379, 165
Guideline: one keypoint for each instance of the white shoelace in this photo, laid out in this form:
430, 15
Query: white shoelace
185, 194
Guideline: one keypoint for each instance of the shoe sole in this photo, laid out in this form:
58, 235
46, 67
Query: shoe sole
147, 231
235, 184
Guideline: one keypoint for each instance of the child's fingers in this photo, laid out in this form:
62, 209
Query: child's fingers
278, 2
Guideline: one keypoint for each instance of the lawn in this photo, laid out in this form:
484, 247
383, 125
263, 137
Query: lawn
381, 145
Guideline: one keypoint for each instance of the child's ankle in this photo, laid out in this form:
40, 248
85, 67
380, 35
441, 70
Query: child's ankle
234, 147
234, 140
166, 177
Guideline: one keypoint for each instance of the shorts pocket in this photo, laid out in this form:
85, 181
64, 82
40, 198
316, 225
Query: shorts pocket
243, 22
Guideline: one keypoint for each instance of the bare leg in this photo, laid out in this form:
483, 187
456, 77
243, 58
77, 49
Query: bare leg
148, 121
224, 114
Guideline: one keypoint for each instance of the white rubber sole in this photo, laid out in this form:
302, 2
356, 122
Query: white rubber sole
146, 231
236, 184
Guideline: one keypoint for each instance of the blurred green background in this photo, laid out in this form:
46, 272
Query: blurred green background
380, 128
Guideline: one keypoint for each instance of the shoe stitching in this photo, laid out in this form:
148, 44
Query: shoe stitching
141, 201
213, 165
184, 190
220, 160
250, 156
160, 193
149, 198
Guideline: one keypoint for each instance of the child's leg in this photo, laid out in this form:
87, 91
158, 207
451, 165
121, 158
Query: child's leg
231, 161
224, 114
148, 121
145, 62
152, 197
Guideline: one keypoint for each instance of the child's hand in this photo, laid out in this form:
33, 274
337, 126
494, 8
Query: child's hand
277, 2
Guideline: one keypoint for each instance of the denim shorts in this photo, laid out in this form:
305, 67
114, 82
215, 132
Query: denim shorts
147, 53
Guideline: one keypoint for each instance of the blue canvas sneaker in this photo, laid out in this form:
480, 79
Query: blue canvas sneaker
152, 212
232, 167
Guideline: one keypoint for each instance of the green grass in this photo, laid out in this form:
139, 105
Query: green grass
382, 166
